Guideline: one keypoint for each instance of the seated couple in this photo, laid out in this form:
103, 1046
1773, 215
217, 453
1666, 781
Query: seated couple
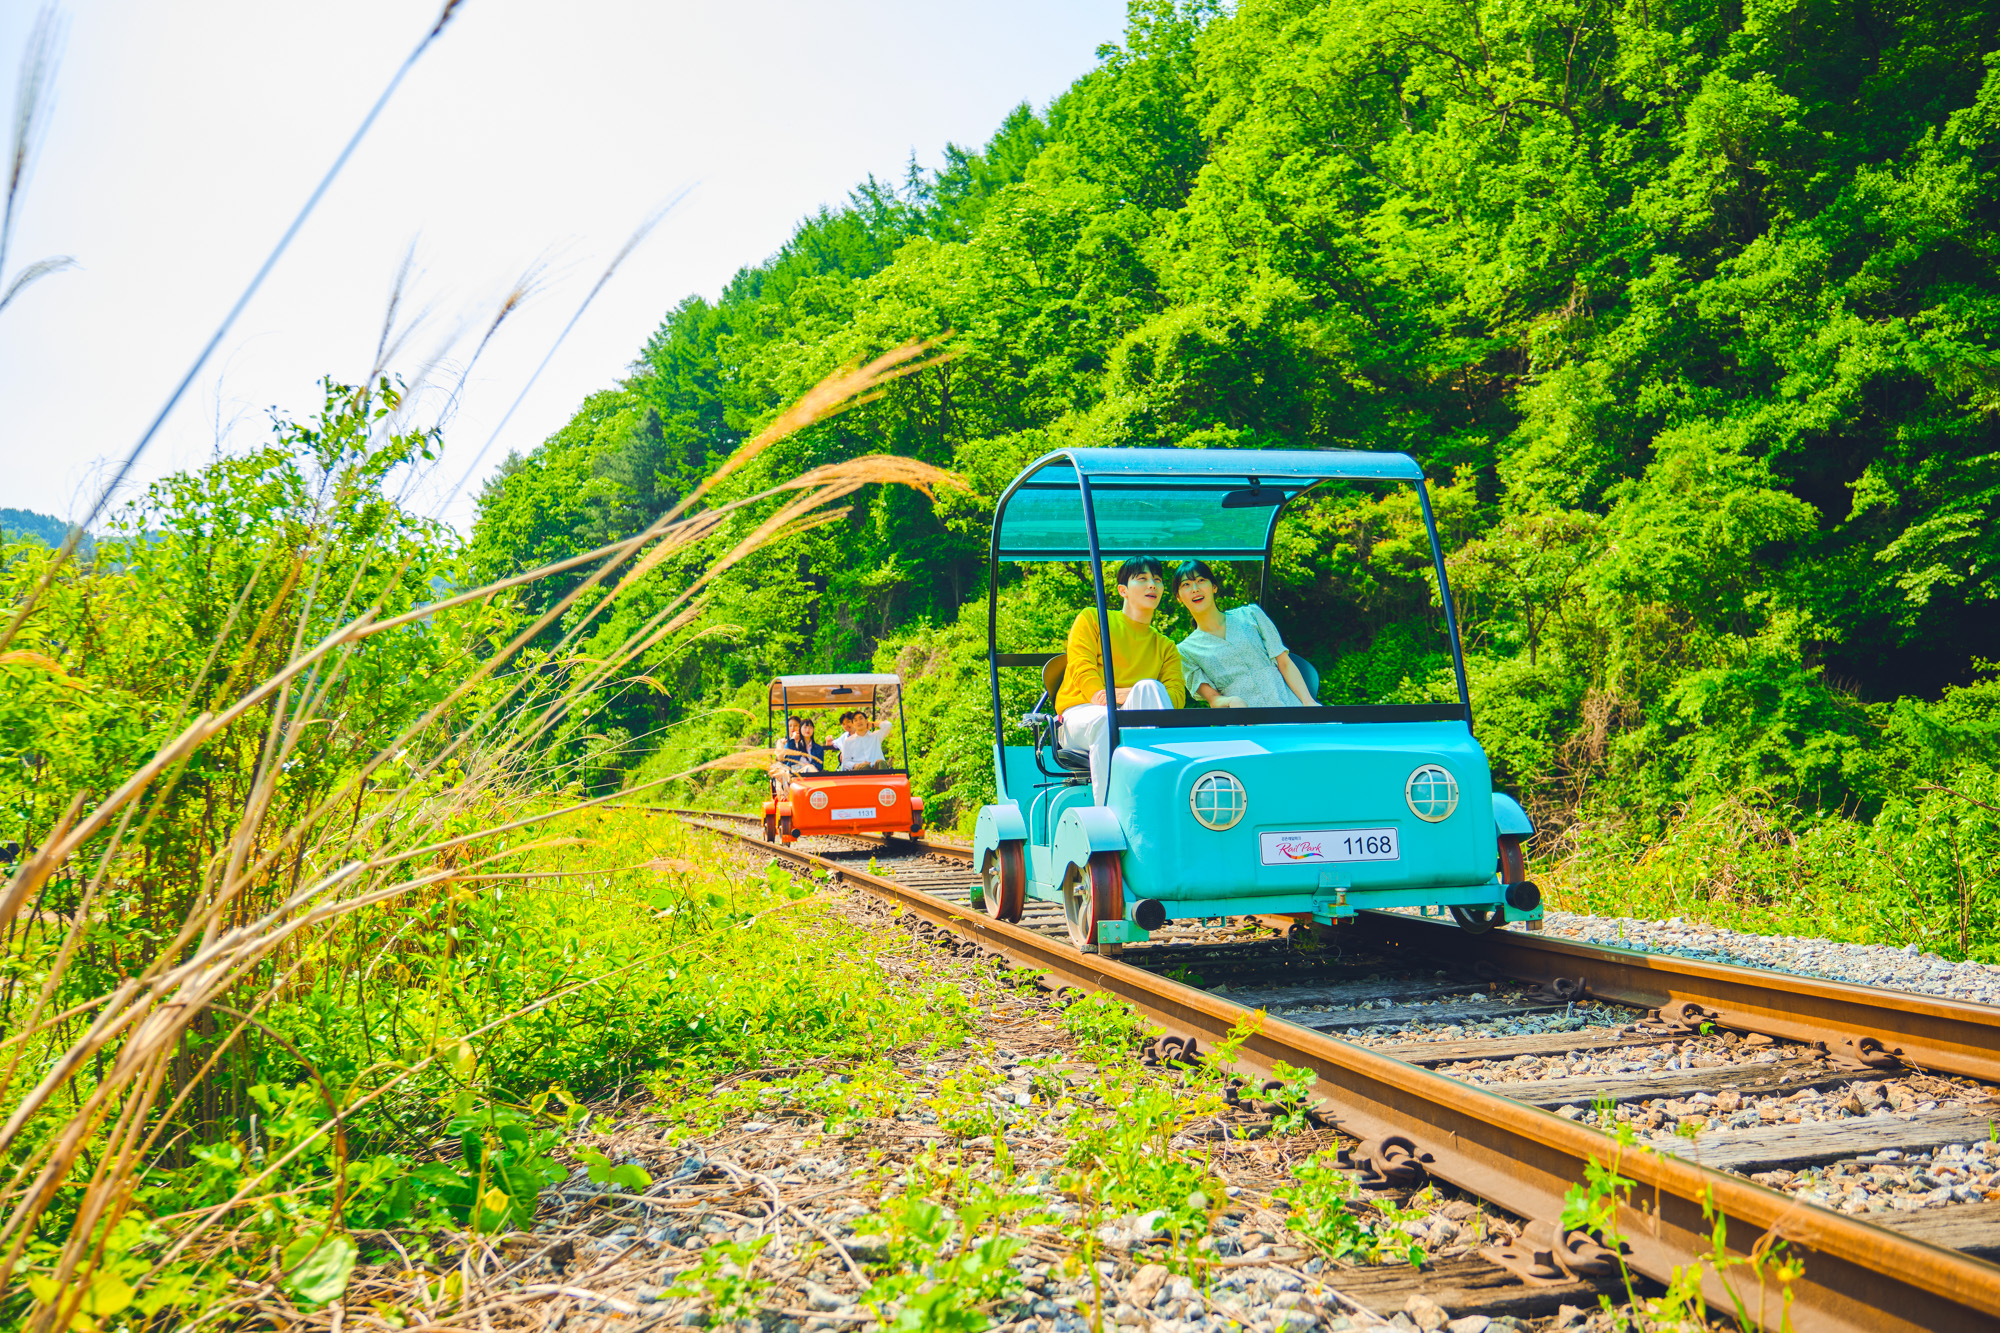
1233, 659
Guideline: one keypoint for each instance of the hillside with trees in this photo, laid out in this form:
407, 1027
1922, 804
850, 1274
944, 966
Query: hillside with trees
1690, 313
17, 524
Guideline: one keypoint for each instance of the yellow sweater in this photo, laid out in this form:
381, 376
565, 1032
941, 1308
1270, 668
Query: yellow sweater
1138, 652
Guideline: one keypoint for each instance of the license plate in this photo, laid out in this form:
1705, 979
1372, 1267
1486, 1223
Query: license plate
866, 812
1336, 844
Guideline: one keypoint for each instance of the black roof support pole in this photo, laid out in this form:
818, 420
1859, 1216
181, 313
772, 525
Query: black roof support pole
1444, 596
1103, 626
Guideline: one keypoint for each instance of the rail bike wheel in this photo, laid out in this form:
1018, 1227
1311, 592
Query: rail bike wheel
785, 830
1475, 920
770, 826
1513, 870
1003, 882
1096, 895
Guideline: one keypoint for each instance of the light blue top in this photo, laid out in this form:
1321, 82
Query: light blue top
1219, 503
1243, 662
1236, 465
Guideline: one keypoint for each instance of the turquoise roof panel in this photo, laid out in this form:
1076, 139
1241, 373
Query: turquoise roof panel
1218, 503
1231, 464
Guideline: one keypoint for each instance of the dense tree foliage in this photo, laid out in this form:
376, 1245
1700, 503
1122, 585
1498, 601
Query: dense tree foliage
1690, 312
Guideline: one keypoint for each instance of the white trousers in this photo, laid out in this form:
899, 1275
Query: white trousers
1084, 729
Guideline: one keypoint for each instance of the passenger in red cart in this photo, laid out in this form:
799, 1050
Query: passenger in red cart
1145, 662
860, 749
801, 753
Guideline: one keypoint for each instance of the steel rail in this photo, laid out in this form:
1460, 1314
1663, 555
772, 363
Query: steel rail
1866, 1025
1856, 1277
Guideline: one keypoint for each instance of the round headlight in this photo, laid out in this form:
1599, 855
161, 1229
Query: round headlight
818, 799
887, 796
1432, 793
1218, 800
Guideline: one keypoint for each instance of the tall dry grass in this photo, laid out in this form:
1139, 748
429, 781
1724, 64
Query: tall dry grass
95, 1089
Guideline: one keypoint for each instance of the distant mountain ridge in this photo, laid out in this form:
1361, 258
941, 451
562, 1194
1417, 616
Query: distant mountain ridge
18, 523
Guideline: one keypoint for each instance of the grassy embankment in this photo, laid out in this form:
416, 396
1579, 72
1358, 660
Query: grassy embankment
310, 935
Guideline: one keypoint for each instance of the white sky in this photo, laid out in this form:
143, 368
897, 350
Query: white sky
183, 137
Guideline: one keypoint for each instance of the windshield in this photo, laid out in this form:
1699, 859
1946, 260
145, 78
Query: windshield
1045, 519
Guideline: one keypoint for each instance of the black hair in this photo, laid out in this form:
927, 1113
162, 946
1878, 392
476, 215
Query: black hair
1141, 564
1193, 569
807, 721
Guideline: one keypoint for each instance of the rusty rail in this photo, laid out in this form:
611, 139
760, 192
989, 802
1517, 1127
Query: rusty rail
1856, 1276
1865, 1025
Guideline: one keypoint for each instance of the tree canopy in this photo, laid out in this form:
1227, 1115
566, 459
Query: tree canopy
1689, 311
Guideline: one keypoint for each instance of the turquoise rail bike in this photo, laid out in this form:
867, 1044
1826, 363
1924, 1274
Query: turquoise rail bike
1308, 812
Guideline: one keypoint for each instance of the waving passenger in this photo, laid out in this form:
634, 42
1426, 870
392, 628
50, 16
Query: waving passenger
860, 746
1234, 658
1144, 661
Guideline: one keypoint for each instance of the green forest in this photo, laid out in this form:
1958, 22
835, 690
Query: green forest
315, 811
1691, 313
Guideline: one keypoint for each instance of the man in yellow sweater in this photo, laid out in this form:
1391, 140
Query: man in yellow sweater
1144, 661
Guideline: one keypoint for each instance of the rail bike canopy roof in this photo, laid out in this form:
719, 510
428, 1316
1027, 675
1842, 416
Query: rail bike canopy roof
1221, 503
837, 691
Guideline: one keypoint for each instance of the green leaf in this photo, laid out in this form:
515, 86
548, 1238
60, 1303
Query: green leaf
108, 1294
318, 1265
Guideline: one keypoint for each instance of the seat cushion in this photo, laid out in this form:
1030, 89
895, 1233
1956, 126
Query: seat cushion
1076, 761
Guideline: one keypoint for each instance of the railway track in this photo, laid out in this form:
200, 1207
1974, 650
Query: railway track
1502, 1142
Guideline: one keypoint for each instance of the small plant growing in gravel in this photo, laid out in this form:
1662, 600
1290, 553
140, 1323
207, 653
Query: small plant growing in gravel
1126, 1159
940, 1270
1045, 1082
1593, 1207
1319, 1209
603, 1171
1322, 1211
1024, 981
961, 1106
1293, 1096
726, 1278
504, 1165
1104, 1027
